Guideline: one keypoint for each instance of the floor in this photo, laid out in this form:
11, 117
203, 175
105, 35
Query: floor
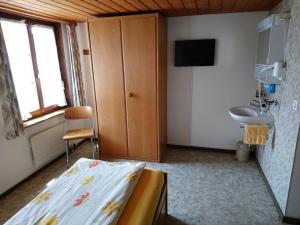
204, 188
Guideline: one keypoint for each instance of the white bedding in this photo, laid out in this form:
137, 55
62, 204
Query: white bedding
90, 192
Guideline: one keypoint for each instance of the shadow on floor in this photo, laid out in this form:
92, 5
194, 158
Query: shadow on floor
174, 221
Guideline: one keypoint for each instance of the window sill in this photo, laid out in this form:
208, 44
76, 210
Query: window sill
40, 119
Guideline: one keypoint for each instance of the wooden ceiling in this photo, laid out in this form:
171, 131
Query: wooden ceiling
82, 10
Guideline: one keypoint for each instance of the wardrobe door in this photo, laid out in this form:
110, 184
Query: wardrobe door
139, 54
105, 37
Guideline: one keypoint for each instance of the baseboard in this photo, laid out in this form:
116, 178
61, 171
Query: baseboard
290, 220
202, 148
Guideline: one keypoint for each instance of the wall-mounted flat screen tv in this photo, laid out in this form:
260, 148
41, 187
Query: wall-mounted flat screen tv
195, 52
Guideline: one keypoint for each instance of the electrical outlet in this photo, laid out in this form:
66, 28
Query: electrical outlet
295, 105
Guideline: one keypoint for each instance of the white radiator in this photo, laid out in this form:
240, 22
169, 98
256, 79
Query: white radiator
47, 144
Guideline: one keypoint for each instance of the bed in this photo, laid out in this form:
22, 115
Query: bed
99, 192
148, 203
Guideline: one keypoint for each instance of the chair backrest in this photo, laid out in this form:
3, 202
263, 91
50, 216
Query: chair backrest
80, 112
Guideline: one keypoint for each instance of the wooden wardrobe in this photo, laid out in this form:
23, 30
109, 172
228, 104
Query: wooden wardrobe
129, 64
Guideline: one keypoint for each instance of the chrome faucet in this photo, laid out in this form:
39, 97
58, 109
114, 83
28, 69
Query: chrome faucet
259, 105
254, 103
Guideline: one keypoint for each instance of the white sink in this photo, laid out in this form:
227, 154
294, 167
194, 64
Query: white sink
250, 115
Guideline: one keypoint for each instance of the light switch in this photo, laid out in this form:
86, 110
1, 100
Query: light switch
295, 105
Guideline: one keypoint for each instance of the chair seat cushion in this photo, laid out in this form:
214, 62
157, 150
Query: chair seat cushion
78, 133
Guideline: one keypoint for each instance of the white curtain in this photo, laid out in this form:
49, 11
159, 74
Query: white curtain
78, 95
8, 98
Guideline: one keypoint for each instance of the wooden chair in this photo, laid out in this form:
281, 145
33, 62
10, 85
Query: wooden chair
78, 113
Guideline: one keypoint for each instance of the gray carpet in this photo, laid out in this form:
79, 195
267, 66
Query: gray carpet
207, 188
204, 188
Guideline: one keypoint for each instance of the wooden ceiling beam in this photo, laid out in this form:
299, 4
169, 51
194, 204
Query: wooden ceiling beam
240, 5
40, 7
178, 8
151, 4
58, 5
126, 5
114, 5
82, 10
215, 6
227, 5
75, 5
190, 7
177, 4
89, 6
35, 9
189, 4
34, 15
139, 5
167, 8
202, 5
164, 4
101, 5
253, 5
30, 5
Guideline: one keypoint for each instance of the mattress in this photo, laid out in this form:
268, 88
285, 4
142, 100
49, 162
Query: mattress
135, 196
90, 192
141, 207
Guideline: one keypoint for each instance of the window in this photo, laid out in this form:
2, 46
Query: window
35, 66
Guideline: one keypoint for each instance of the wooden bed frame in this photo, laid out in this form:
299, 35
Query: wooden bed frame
161, 211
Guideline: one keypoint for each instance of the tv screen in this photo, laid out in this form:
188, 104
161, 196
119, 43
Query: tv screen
195, 52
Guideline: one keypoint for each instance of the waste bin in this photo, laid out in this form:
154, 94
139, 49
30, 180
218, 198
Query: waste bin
242, 152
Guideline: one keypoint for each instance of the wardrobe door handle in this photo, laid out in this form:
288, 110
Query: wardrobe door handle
130, 95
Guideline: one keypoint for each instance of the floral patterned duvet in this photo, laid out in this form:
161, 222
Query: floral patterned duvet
90, 192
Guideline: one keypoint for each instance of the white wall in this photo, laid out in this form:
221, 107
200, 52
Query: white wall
199, 97
16, 161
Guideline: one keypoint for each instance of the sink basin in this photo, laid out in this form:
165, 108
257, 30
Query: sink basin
250, 115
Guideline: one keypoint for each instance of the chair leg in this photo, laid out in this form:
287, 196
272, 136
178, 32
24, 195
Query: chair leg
67, 153
92, 146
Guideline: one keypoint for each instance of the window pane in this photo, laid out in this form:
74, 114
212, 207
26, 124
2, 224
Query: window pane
48, 66
18, 49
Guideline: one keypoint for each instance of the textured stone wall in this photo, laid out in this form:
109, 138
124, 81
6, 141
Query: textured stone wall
277, 157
